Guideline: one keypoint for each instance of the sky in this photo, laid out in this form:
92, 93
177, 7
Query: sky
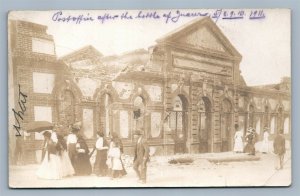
265, 44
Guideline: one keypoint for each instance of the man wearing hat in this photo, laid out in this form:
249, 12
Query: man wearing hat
141, 157
279, 148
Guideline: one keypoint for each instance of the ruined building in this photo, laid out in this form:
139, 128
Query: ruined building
186, 92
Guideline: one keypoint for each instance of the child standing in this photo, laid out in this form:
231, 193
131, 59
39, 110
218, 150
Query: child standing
116, 164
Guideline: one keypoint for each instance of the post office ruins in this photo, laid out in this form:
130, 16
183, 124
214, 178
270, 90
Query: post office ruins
186, 92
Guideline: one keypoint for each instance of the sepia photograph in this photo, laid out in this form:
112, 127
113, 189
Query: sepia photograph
149, 98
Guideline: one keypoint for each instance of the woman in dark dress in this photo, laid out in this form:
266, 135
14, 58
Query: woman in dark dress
83, 164
251, 139
100, 167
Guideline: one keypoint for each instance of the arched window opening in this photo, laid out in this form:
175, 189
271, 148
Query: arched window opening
67, 109
204, 124
178, 123
138, 113
267, 117
251, 116
226, 125
280, 119
286, 126
106, 114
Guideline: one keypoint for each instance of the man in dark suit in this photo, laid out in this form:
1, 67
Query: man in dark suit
141, 157
279, 148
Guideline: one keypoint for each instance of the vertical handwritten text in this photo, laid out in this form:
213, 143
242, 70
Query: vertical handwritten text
19, 114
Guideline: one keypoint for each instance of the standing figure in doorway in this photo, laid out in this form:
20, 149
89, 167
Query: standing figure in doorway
18, 152
141, 157
265, 142
238, 140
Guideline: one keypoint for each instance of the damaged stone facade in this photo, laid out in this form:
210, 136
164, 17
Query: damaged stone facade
186, 92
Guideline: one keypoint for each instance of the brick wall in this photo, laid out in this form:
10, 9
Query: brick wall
25, 62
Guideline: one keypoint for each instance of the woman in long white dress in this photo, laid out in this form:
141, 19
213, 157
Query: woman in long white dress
50, 167
238, 140
67, 168
265, 142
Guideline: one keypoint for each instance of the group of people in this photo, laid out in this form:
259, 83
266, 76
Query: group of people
61, 158
71, 156
55, 159
251, 138
108, 158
